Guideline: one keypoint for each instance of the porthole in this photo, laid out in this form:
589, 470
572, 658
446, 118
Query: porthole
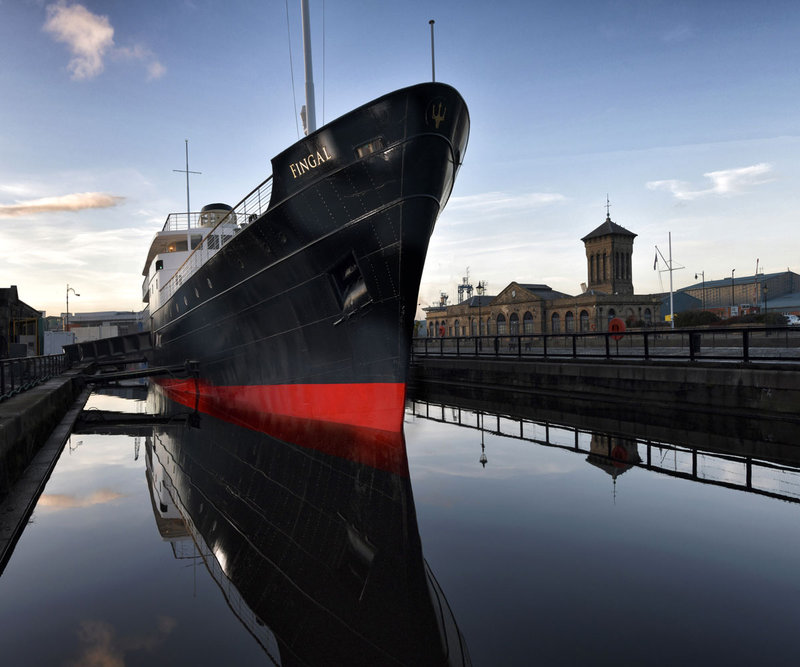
210, 286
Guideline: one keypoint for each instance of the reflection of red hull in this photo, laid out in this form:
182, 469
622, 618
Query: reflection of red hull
295, 413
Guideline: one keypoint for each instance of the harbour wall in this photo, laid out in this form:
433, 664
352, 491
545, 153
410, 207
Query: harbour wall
736, 389
28, 419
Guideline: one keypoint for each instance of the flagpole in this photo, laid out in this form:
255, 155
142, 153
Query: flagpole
670, 269
671, 308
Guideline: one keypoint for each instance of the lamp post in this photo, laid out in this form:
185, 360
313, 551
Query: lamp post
66, 318
703, 275
732, 272
481, 289
765, 298
483, 460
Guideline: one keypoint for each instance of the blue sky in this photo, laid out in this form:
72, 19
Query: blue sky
684, 113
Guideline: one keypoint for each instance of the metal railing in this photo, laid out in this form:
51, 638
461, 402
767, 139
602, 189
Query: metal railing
250, 208
23, 373
743, 344
733, 470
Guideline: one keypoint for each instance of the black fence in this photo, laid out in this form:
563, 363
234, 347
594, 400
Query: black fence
742, 470
720, 344
18, 375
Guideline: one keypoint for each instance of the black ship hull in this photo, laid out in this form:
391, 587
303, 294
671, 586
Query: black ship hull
307, 313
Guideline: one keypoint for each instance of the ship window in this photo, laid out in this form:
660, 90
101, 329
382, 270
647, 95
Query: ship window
196, 240
159, 264
213, 241
370, 147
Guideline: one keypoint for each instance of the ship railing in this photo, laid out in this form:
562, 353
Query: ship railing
724, 344
252, 207
177, 222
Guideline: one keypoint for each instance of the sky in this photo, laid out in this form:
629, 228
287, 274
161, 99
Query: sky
685, 115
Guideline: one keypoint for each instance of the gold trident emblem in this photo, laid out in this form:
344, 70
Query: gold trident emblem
437, 114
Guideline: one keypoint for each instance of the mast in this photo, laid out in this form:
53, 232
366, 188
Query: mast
187, 172
311, 114
433, 59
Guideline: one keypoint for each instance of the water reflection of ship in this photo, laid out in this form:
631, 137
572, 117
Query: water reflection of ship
319, 556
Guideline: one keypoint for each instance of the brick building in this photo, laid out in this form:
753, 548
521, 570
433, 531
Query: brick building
528, 308
20, 325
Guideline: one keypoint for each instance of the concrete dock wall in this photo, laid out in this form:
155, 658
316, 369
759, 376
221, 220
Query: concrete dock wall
26, 421
735, 388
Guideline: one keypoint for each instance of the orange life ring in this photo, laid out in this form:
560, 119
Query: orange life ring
617, 327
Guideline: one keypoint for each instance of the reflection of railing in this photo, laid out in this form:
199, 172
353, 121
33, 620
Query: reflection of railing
251, 207
733, 471
18, 375
720, 344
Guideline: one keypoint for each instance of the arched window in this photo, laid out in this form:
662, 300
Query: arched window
473, 327
555, 324
501, 324
611, 314
591, 269
648, 316
569, 322
584, 321
488, 328
458, 333
527, 323
513, 324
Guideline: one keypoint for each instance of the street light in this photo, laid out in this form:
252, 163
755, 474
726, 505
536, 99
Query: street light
703, 275
732, 272
66, 318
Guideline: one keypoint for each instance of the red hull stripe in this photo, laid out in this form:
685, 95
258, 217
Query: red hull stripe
358, 422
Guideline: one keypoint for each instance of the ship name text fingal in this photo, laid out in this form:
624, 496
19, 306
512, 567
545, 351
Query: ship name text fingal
311, 162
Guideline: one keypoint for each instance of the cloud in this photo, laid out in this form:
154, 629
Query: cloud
87, 35
723, 183
490, 205
155, 70
105, 647
90, 38
65, 500
680, 33
72, 202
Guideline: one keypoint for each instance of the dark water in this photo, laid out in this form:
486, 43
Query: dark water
570, 546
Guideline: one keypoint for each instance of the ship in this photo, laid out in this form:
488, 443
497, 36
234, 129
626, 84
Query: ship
319, 557
299, 301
